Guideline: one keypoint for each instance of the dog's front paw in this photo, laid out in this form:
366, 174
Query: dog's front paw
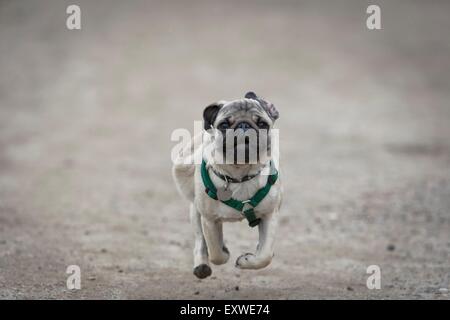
202, 271
245, 261
221, 258
251, 261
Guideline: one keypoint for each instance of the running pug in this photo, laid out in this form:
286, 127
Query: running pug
236, 180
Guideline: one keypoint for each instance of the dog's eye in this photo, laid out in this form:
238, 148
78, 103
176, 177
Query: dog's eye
263, 125
223, 125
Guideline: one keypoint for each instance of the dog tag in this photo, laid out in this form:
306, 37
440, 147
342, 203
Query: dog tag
223, 194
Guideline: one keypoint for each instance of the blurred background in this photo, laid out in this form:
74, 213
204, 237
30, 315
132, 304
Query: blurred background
85, 123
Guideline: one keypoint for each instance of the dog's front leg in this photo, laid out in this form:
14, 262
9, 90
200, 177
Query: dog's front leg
201, 267
212, 230
264, 251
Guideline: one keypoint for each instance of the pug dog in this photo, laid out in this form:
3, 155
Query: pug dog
237, 179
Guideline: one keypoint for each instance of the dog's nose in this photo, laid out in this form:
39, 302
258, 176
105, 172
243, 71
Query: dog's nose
244, 126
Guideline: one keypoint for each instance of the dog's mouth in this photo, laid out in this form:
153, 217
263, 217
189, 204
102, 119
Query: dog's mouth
244, 145
245, 151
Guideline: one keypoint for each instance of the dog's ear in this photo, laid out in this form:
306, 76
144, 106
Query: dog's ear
251, 95
271, 110
268, 106
210, 114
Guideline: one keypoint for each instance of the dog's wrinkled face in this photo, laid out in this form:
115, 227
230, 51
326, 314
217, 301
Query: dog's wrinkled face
241, 129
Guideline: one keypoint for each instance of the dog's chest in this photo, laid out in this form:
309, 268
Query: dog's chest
214, 209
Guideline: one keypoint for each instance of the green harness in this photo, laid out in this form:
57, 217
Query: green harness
246, 207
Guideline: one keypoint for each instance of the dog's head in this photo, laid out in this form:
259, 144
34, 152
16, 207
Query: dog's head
241, 128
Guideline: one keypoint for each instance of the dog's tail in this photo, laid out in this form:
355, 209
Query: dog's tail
184, 180
184, 168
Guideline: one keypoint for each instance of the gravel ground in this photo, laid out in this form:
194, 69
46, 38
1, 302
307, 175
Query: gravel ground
85, 124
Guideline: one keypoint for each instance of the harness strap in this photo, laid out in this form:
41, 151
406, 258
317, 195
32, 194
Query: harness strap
233, 180
239, 205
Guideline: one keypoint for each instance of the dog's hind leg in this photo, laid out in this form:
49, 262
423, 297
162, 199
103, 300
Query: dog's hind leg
201, 267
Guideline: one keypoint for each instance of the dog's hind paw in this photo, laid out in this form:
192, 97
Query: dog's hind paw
202, 271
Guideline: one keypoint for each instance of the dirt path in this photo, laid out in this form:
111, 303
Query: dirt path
85, 124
